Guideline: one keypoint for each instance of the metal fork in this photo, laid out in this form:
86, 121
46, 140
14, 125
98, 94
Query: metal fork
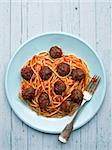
88, 93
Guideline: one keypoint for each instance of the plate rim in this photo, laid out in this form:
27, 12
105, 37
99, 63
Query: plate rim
53, 33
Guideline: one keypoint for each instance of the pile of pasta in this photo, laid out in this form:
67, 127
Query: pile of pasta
44, 59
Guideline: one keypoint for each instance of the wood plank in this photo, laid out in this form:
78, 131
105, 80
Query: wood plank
71, 24
5, 111
87, 32
18, 35
103, 37
34, 13
70, 17
110, 80
87, 22
51, 16
34, 18
51, 22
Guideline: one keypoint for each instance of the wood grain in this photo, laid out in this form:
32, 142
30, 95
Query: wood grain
103, 37
22, 19
34, 27
18, 35
5, 111
51, 22
71, 23
87, 32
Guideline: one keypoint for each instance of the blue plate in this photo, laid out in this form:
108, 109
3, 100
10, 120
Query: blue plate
71, 45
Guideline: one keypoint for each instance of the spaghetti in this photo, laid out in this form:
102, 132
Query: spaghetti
54, 107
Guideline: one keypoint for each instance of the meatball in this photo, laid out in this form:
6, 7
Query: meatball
26, 73
66, 106
59, 87
43, 100
45, 73
55, 52
63, 69
77, 74
77, 96
28, 94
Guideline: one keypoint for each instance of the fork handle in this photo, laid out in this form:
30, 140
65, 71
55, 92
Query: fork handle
65, 134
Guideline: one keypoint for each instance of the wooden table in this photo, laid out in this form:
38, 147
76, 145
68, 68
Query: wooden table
88, 19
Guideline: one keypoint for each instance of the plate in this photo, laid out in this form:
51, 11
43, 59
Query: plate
71, 45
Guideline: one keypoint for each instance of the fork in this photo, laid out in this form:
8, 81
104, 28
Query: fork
88, 93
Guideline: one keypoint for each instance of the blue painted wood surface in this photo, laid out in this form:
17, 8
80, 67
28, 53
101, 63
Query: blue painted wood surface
89, 19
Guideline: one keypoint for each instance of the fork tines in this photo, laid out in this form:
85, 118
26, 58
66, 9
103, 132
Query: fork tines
92, 86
